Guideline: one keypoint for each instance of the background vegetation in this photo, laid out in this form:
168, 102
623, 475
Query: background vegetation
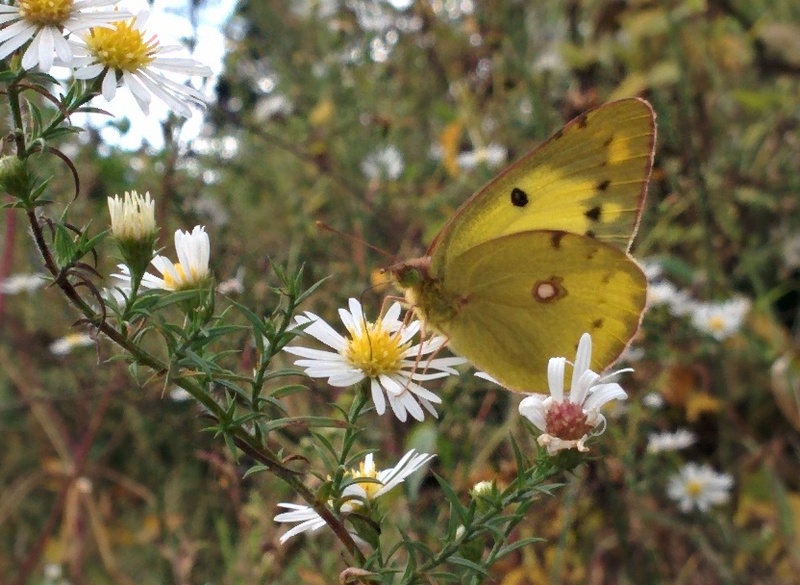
365, 115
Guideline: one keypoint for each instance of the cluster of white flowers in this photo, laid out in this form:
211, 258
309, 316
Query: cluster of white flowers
719, 319
98, 39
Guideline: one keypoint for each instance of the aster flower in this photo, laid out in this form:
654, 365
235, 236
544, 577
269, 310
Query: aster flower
381, 352
666, 441
720, 320
125, 53
568, 420
64, 345
190, 272
45, 23
699, 486
366, 485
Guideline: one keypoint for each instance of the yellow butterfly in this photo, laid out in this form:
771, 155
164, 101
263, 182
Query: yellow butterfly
540, 255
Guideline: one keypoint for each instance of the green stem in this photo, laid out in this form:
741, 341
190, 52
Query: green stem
16, 115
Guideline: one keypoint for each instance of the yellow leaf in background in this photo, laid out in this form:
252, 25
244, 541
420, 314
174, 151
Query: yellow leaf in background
677, 384
322, 113
699, 404
449, 139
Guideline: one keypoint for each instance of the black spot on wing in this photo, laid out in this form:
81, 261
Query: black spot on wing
590, 233
519, 198
555, 239
583, 121
603, 185
594, 213
597, 324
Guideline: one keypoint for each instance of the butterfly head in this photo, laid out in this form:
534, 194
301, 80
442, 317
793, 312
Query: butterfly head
424, 293
411, 273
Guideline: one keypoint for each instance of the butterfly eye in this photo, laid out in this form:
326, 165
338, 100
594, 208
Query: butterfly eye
519, 198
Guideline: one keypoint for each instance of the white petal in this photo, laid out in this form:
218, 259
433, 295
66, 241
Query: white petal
602, 394
411, 405
583, 358
580, 390
555, 377
378, 398
397, 408
315, 354
532, 408
109, 87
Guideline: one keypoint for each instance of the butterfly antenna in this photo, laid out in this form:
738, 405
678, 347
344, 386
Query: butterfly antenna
324, 226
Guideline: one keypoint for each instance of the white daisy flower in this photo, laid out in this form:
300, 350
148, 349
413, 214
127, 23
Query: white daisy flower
66, 344
367, 484
666, 441
17, 283
699, 486
568, 420
384, 163
127, 54
720, 320
381, 352
45, 23
190, 272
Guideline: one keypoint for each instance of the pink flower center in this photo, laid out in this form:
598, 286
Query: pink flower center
566, 420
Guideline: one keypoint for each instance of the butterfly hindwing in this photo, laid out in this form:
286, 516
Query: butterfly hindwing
529, 296
590, 178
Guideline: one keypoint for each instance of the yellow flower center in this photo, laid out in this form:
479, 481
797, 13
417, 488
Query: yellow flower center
368, 472
716, 323
184, 281
374, 350
694, 488
74, 338
122, 47
45, 12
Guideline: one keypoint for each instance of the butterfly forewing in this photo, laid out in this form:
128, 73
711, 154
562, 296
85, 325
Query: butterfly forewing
590, 178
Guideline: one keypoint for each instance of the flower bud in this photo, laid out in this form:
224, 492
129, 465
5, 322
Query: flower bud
14, 177
133, 225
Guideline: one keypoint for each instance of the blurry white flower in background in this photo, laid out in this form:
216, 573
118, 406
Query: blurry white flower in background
720, 319
386, 163
17, 283
66, 344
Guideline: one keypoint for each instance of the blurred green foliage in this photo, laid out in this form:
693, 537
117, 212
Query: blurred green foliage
313, 90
